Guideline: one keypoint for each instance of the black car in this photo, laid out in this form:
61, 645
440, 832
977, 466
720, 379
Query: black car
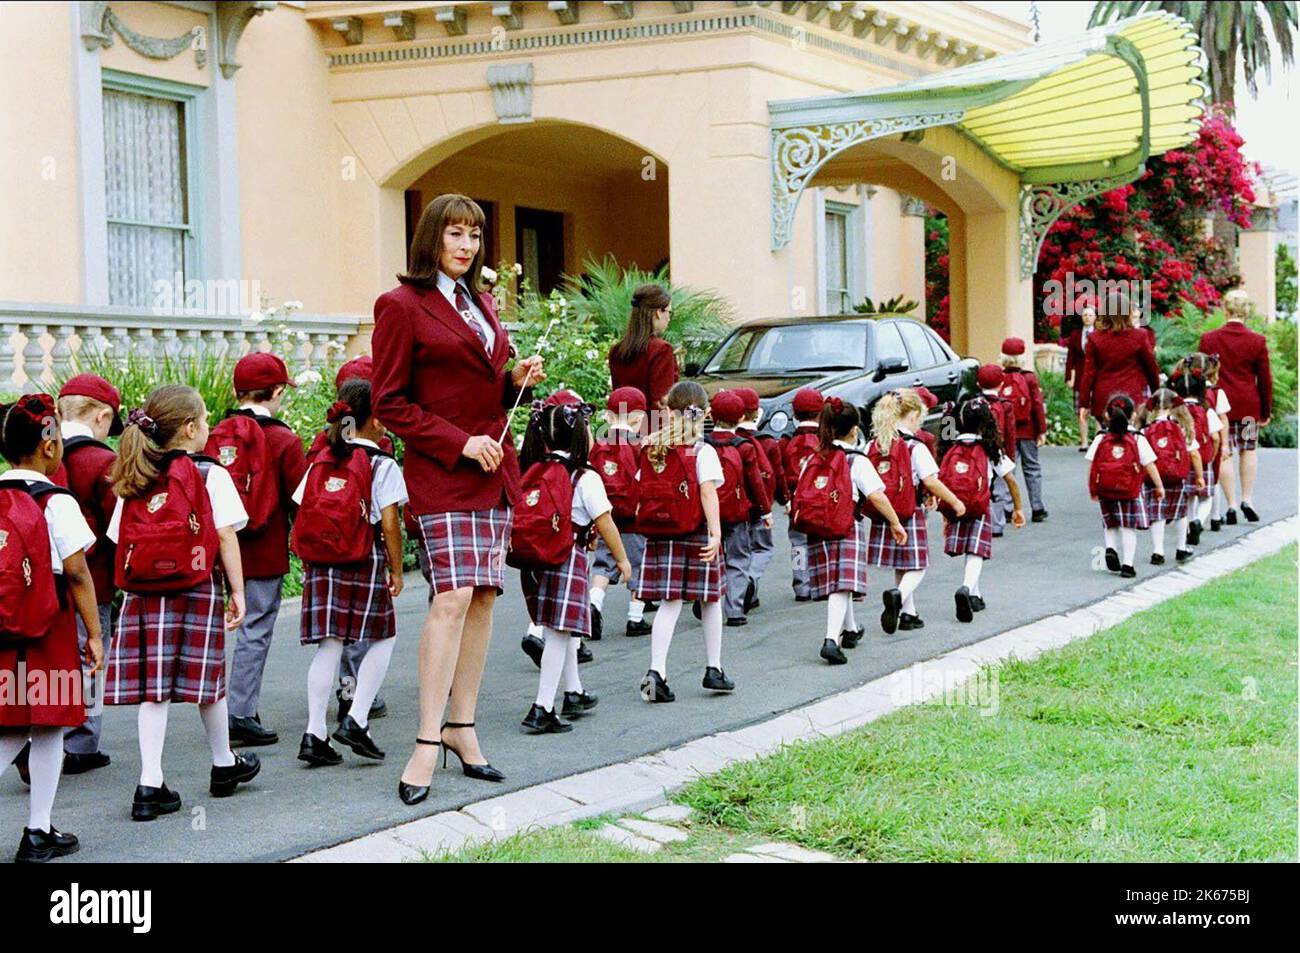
855, 357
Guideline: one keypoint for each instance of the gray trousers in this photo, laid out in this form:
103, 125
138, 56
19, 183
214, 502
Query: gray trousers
736, 560
84, 739
799, 562
761, 548
1027, 451
999, 504
252, 643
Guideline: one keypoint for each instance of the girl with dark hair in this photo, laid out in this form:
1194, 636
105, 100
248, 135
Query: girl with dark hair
642, 358
1189, 381
1119, 457
1170, 429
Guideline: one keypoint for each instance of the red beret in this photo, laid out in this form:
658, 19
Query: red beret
562, 397
989, 376
1013, 347
626, 400
808, 400
748, 398
727, 406
362, 367
96, 388
260, 370
927, 397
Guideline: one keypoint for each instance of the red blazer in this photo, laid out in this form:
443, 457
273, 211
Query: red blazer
653, 373
85, 472
1244, 370
1117, 362
1073, 344
772, 447
265, 554
751, 454
1037, 423
435, 387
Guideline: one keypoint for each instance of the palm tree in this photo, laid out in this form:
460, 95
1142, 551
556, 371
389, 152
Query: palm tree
1227, 31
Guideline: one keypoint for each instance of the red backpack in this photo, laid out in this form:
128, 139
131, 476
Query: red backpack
794, 452
616, 464
166, 539
965, 471
1201, 428
542, 536
29, 590
1015, 388
239, 445
1116, 473
1173, 459
896, 473
822, 505
669, 505
734, 505
333, 525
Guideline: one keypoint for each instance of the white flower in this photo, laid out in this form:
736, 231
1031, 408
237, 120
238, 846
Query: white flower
519, 269
563, 302
489, 275
302, 337
307, 377
256, 317
292, 306
336, 346
592, 355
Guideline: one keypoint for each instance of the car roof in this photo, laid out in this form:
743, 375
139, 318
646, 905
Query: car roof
821, 319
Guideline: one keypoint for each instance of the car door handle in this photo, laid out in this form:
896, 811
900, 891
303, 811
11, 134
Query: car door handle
917, 382
952, 375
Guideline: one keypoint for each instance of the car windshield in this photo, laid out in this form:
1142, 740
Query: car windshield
792, 349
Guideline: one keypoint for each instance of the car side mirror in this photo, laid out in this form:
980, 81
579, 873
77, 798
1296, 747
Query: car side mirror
890, 365
692, 368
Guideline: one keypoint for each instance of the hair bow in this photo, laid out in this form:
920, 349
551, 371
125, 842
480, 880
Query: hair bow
338, 410
692, 412
1197, 372
536, 408
148, 426
571, 412
836, 405
36, 407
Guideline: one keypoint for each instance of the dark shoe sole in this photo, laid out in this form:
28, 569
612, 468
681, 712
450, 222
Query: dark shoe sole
45, 856
1112, 560
151, 812
314, 761
832, 654
964, 611
237, 742
357, 749
228, 787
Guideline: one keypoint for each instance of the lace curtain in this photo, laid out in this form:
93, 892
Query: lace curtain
144, 171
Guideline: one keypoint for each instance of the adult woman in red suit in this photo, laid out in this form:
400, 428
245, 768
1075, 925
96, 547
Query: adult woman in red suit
1117, 359
441, 385
1083, 320
643, 359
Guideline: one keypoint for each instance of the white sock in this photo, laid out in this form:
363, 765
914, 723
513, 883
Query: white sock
838, 604
1158, 537
151, 725
320, 682
370, 678
216, 725
1203, 509
597, 597
1217, 510
553, 654
661, 635
1112, 539
534, 630
971, 573
1128, 540
635, 610
711, 618
908, 580
1180, 534
572, 681
850, 622
45, 764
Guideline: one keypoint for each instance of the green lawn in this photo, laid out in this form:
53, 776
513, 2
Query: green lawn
1170, 737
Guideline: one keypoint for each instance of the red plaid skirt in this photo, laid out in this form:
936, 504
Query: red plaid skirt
913, 554
838, 565
559, 597
973, 537
55, 697
466, 549
169, 648
1124, 514
1174, 506
351, 603
1189, 487
671, 569
1243, 434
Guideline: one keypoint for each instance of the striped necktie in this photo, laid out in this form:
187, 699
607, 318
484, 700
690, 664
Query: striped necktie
462, 305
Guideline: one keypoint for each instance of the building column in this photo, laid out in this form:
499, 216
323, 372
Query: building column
1257, 261
999, 302
911, 275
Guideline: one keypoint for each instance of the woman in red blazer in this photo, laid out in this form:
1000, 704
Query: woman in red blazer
1084, 320
643, 359
1117, 359
441, 385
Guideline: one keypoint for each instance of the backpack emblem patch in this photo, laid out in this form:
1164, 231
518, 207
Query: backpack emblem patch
156, 502
659, 467
334, 484
533, 497
884, 467
821, 481
4, 538
961, 466
610, 467
227, 454
1162, 442
1117, 452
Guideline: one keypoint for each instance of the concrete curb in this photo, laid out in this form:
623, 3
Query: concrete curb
646, 781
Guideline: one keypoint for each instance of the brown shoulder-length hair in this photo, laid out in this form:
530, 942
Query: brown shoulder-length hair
646, 301
140, 454
426, 244
1116, 313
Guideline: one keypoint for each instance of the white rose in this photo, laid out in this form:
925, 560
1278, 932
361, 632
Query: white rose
307, 377
293, 306
302, 337
519, 269
256, 317
489, 275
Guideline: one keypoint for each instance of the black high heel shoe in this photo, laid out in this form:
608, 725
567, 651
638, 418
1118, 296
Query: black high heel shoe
415, 793
480, 772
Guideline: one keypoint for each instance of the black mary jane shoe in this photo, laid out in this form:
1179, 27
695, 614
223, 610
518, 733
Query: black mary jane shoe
649, 607
1127, 572
655, 690
1112, 560
1038, 516
249, 733
637, 628
1230, 517
584, 654
78, 763
1216, 526
832, 653
352, 735
1194, 530
318, 752
715, 680
479, 772
751, 596
849, 638
893, 600
1248, 511
150, 803
962, 599
737, 622
539, 721
1157, 559
224, 780
799, 598
976, 604
1182, 555
532, 647
597, 625
38, 846
910, 623
411, 794
578, 703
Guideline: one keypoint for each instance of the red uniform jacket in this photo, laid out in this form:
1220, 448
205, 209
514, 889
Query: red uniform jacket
751, 454
1037, 423
1117, 362
85, 472
653, 373
435, 387
1244, 371
1073, 344
265, 554
772, 447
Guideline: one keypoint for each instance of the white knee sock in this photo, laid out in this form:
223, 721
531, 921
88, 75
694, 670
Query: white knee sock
1217, 509
1180, 534
907, 582
1203, 509
216, 725
534, 630
711, 618
661, 635
320, 682
635, 610
1128, 540
370, 678
1158, 537
572, 681
553, 654
850, 622
45, 764
971, 573
597, 597
1112, 539
151, 725
838, 604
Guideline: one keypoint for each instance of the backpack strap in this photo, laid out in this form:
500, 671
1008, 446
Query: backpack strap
73, 444
38, 492
265, 420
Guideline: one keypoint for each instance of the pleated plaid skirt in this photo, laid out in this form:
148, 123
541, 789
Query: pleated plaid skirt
671, 569
1243, 434
969, 537
351, 603
1173, 507
559, 598
839, 565
1189, 487
1124, 514
169, 647
913, 554
466, 549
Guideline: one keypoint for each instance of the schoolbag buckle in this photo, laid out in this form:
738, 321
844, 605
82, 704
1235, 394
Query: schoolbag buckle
684, 489
194, 524
27, 571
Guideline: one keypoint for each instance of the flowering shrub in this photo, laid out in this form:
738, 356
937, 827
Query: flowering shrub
936, 273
